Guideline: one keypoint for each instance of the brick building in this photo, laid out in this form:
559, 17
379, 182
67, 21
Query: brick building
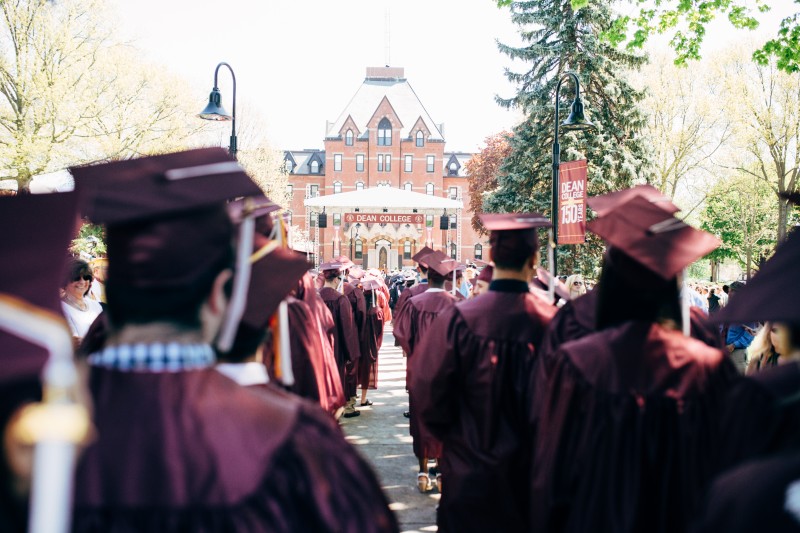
400, 189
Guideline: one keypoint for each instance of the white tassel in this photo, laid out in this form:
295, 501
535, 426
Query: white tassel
241, 283
454, 282
55, 452
686, 324
287, 374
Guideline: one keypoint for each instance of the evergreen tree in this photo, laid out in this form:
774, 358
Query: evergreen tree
557, 40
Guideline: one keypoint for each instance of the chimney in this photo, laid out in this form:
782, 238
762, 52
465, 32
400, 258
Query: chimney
385, 73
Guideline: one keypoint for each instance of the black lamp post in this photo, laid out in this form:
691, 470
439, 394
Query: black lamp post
357, 226
215, 111
576, 121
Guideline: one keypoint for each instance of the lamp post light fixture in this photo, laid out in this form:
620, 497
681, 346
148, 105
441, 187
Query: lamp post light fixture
215, 111
357, 227
576, 121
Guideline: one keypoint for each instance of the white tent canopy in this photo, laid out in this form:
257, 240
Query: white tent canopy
387, 197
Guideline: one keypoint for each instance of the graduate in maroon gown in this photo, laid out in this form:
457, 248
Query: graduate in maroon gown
412, 291
355, 295
179, 446
624, 420
37, 232
478, 356
372, 338
331, 391
764, 494
345, 339
577, 317
421, 311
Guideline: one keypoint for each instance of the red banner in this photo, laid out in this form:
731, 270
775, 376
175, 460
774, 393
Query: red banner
384, 218
572, 202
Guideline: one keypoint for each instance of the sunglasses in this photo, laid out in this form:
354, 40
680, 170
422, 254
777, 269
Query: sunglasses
85, 277
577, 283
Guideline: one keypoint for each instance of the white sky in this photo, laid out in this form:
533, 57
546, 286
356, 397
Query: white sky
300, 61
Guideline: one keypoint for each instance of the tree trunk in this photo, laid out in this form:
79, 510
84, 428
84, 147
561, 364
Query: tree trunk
783, 212
749, 262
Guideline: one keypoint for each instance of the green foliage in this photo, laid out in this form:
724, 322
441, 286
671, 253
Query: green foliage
686, 19
90, 243
741, 212
785, 48
559, 39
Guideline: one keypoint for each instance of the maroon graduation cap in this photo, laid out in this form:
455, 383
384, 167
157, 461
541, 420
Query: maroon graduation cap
486, 274
272, 278
38, 231
653, 238
257, 206
513, 235
440, 264
345, 261
421, 253
165, 215
773, 293
332, 266
606, 203
370, 284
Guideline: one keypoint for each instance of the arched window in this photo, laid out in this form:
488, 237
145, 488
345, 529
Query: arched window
429, 189
407, 250
315, 167
453, 169
359, 253
478, 251
453, 250
384, 132
359, 185
408, 186
290, 190
289, 218
348, 138
337, 187
420, 138
288, 165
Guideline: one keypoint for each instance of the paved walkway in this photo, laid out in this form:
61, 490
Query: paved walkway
381, 435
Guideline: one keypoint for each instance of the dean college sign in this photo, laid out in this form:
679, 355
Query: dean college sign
384, 218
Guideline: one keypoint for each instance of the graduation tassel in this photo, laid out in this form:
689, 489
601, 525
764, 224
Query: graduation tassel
686, 324
241, 282
454, 281
57, 425
285, 350
551, 246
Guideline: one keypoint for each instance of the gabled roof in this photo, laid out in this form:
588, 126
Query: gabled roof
387, 197
394, 87
460, 159
302, 160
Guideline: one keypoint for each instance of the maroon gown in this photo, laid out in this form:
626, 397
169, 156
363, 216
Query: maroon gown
478, 356
344, 334
761, 495
355, 295
625, 430
421, 311
372, 339
331, 387
407, 294
194, 451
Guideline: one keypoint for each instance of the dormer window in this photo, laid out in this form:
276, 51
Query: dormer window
420, 138
452, 169
288, 165
348, 138
315, 167
384, 133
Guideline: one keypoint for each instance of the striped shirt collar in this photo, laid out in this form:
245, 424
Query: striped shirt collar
157, 357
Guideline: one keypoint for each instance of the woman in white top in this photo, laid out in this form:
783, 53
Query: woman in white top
79, 311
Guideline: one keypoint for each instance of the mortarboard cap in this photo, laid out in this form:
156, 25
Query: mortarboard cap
773, 293
356, 273
421, 253
606, 203
165, 215
259, 207
329, 266
370, 284
345, 261
793, 197
513, 236
486, 274
39, 229
272, 278
653, 238
440, 263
